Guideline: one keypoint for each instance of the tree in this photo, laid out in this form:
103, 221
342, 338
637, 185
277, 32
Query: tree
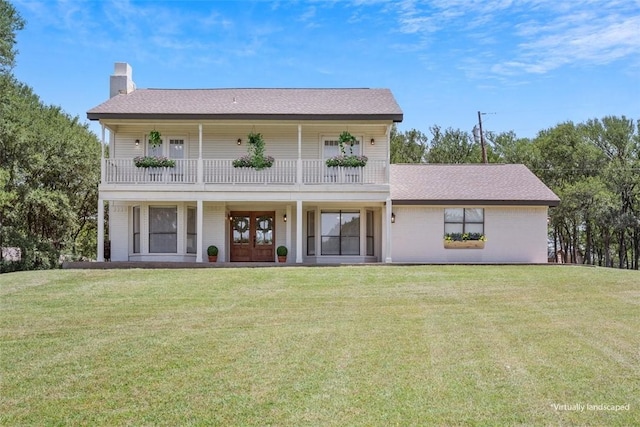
508, 148
594, 168
49, 169
10, 23
452, 146
408, 147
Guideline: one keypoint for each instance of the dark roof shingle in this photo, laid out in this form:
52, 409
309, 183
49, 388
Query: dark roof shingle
251, 104
491, 184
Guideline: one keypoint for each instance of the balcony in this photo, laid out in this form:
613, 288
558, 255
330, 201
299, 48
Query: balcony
221, 171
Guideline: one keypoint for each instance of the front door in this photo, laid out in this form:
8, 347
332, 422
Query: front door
252, 236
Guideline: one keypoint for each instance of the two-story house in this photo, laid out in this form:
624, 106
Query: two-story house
202, 195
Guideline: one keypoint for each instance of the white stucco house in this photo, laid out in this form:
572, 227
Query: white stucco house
323, 214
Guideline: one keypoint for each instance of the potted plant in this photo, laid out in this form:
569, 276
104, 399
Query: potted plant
464, 240
155, 138
154, 162
282, 252
212, 253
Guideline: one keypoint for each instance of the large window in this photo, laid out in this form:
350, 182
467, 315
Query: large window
464, 220
192, 234
163, 229
311, 233
340, 233
370, 247
136, 229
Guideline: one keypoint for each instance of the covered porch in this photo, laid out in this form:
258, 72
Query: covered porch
181, 229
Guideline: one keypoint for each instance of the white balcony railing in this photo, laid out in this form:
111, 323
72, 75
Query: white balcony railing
221, 171
317, 172
124, 171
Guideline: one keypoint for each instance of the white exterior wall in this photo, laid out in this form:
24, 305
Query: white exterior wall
514, 234
215, 230
220, 141
119, 231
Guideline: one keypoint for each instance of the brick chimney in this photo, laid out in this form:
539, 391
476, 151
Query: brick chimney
121, 81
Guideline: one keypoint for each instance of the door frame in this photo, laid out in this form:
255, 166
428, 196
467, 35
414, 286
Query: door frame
264, 253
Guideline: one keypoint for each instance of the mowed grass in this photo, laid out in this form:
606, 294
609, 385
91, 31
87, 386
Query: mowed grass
370, 345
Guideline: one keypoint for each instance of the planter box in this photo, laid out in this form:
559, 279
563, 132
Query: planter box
465, 244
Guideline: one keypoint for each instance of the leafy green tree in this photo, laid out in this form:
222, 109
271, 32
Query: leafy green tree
10, 23
506, 147
408, 147
594, 168
49, 170
452, 146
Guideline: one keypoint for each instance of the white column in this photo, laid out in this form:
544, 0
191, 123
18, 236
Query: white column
288, 227
102, 163
100, 226
386, 229
200, 161
388, 172
199, 230
299, 167
299, 232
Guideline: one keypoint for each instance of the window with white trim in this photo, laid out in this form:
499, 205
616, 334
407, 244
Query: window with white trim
369, 227
176, 148
311, 233
192, 233
331, 148
157, 151
163, 229
464, 220
340, 233
136, 229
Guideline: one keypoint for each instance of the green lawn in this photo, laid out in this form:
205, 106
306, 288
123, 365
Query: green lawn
370, 345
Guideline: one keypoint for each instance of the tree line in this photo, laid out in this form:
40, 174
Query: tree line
49, 171
594, 167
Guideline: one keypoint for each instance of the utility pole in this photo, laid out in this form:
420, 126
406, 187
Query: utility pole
484, 149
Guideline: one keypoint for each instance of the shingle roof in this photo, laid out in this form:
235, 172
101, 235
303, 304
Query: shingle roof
471, 183
319, 104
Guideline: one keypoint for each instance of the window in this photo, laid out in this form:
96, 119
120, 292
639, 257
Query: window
464, 220
176, 148
340, 233
156, 151
332, 148
163, 229
370, 248
311, 233
192, 234
136, 229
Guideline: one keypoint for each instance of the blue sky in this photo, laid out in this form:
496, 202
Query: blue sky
534, 63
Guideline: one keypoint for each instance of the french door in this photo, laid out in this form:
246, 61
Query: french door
252, 236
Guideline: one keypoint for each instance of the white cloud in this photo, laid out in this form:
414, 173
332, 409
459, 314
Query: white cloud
528, 36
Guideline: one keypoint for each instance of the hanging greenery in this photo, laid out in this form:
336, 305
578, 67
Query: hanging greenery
346, 138
347, 160
241, 224
155, 138
255, 158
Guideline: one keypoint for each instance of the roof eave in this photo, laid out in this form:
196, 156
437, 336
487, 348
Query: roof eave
467, 202
395, 117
